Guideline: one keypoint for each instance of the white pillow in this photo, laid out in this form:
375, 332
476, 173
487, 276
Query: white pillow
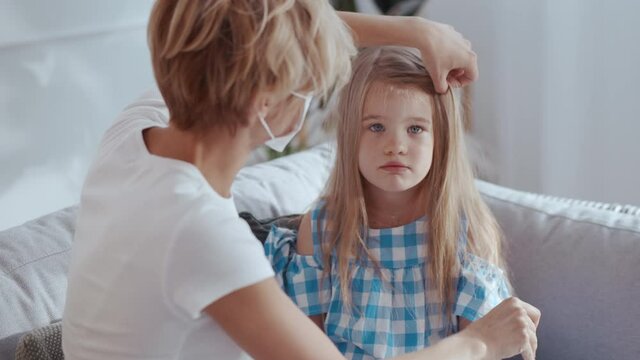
286, 185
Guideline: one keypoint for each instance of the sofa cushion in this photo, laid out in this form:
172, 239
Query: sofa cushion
262, 227
580, 264
34, 259
287, 185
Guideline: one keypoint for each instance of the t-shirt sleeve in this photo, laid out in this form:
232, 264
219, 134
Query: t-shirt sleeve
481, 286
149, 110
211, 260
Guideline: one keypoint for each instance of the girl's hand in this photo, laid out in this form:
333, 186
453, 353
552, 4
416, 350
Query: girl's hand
507, 330
447, 56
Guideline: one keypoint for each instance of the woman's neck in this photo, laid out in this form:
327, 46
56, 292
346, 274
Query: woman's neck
392, 209
218, 155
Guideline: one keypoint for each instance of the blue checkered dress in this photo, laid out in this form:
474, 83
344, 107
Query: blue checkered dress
390, 315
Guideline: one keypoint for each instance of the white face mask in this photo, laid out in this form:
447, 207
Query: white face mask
279, 143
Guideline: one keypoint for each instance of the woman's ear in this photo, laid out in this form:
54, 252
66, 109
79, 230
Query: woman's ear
261, 105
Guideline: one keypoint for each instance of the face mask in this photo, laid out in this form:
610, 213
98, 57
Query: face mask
279, 143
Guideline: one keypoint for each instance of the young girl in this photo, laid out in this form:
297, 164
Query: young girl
401, 251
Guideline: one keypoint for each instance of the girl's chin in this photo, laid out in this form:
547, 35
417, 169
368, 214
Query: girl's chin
395, 187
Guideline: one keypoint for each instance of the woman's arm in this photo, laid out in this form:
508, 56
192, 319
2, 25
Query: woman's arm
507, 330
463, 323
266, 324
446, 53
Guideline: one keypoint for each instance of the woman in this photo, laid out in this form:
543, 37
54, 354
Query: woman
162, 266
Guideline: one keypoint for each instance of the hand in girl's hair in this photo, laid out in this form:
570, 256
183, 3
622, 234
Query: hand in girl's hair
448, 57
509, 329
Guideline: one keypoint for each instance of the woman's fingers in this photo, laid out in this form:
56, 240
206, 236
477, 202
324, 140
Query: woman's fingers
530, 342
528, 354
533, 313
527, 314
448, 57
509, 329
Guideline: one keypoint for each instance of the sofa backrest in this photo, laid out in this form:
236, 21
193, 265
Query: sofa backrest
34, 260
580, 265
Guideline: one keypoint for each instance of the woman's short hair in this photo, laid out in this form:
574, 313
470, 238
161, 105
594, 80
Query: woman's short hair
212, 57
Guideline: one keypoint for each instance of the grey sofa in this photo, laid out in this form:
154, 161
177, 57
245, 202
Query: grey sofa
578, 262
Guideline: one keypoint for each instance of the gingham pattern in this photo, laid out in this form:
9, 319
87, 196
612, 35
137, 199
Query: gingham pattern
391, 314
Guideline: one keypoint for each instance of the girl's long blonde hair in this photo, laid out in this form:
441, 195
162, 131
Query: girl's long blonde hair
448, 192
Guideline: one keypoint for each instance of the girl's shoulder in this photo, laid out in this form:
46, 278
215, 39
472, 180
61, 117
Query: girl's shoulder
318, 217
311, 229
318, 210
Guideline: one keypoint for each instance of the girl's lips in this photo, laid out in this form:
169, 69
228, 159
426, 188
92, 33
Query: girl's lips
394, 167
394, 164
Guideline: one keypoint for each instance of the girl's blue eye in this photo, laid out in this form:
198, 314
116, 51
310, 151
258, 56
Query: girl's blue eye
376, 127
415, 129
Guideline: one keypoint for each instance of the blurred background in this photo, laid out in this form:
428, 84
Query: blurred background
554, 110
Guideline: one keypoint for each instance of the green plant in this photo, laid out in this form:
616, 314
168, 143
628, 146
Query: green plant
389, 7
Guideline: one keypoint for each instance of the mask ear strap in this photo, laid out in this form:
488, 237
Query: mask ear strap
307, 103
265, 125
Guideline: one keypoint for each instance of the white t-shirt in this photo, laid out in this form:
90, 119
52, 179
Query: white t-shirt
154, 245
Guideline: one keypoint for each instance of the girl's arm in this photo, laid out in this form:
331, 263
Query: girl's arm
446, 53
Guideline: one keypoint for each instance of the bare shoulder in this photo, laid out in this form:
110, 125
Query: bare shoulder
305, 241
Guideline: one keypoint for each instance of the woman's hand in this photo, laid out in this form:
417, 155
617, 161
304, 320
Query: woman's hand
447, 55
507, 330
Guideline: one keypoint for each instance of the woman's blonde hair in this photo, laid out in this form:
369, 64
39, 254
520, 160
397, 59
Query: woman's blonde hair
448, 192
212, 57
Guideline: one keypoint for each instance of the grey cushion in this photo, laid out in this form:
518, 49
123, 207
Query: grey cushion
262, 227
286, 185
581, 266
44, 343
33, 271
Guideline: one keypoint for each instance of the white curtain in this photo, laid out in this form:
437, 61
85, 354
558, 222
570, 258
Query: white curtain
556, 106
67, 67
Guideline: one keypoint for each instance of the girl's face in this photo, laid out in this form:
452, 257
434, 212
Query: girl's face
396, 141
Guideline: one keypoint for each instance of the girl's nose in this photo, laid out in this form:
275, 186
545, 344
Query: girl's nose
395, 145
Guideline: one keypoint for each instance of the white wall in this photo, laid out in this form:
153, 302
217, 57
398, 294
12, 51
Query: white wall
556, 105
66, 69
